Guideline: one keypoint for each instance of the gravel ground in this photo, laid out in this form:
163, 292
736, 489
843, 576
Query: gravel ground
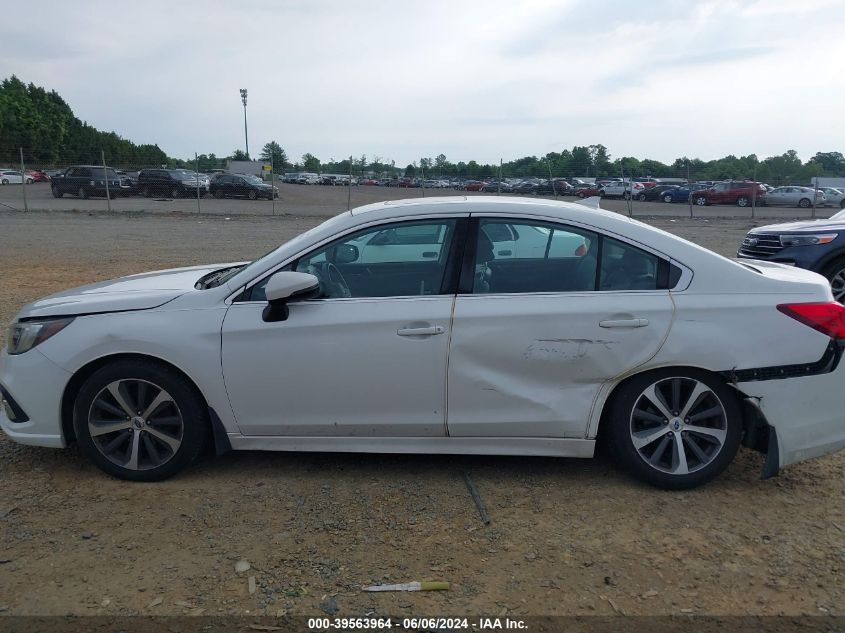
566, 536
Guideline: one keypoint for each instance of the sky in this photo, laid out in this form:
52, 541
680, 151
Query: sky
485, 80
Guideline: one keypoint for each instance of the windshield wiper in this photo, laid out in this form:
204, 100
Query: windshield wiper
217, 277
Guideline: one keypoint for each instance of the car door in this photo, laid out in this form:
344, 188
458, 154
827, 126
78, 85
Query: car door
368, 358
776, 196
533, 338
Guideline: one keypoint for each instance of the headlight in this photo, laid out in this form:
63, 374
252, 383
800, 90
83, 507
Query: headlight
24, 335
807, 240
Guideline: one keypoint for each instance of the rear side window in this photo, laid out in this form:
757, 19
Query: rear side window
626, 267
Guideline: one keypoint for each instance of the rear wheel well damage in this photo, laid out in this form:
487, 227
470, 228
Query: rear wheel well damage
221, 440
757, 433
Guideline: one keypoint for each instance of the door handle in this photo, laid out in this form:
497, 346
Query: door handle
624, 323
421, 331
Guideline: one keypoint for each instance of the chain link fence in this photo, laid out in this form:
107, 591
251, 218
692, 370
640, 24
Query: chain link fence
209, 185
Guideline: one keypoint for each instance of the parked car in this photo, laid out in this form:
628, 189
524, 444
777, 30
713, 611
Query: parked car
682, 193
10, 177
742, 193
833, 197
85, 181
620, 189
37, 175
563, 188
653, 193
242, 186
175, 183
795, 197
474, 185
816, 245
496, 187
128, 182
587, 191
663, 349
368, 182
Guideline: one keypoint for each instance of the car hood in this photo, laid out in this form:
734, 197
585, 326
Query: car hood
135, 292
801, 226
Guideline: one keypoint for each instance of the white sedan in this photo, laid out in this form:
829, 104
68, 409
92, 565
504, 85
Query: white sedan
408, 327
13, 178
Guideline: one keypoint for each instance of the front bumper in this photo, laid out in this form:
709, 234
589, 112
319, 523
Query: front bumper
36, 384
805, 412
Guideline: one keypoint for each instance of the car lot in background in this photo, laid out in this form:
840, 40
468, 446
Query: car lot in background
792, 196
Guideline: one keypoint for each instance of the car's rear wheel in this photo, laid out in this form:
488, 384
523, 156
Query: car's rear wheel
700, 201
667, 198
580, 194
252, 195
147, 192
140, 421
675, 429
641, 197
29, 181
626, 196
218, 194
742, 201
56, 192
82, 193
805, 203
175, 192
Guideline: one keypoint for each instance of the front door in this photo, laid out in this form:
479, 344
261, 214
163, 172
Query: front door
540, 332
368, 358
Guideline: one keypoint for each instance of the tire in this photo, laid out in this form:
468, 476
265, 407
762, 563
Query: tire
175, 192
580, 194
147, 193
641, 197
742, 201
667, 198
5, 181
163, 445
219, 194
835, 273
56, 193
29, 181
626, 196
700, 201
633, 417
842, 204
805, 203
252, 195
82, 192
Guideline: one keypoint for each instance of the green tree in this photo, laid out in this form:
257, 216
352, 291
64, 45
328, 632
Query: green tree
310, 163
272, 151
239, 154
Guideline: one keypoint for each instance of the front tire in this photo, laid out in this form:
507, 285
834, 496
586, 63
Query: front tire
700, 201
219, 194
82, 193
675, 429
252, 195
175, 192
667, 198
742, 201
805, 203
641, 197
140, 421
835, 273
56, 192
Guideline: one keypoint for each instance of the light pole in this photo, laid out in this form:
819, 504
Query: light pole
246, 135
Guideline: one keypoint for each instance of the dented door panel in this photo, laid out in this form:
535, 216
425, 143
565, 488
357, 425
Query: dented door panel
531, 365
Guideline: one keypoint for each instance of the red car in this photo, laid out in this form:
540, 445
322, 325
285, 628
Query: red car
37, 176
475, 185
587, 191
738, 192
368, 181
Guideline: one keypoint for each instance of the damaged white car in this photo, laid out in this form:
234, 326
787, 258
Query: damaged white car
481, 325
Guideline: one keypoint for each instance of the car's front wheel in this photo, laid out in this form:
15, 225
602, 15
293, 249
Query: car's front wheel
218, 194
675, 429
82, 193
667, 198
805, 203
140, 420
700, 201
56, 192
742, 201
641, 197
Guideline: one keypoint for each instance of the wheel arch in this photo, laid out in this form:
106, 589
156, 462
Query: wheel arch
79, 377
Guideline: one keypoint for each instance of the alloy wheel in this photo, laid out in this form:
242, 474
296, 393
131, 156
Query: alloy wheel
135, 424
837, 285
678, 425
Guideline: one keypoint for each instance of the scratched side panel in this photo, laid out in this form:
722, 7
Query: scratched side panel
531, 365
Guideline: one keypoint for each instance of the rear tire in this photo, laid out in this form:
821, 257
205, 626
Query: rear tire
82, 193
219, 194
252, 195
805, 203
674, 448
667, 198
835, 273
641, 197
56, 193
700, 201
742, 201
146, 446
175, 192
147, 193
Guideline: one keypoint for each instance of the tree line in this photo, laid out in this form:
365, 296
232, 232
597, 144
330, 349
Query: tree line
44, 125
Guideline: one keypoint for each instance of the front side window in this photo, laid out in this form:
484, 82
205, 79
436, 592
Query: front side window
393, 260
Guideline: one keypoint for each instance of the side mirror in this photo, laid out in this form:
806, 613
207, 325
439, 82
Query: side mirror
346, 254
285, 286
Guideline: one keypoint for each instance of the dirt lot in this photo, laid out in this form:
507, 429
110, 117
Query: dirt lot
566, 537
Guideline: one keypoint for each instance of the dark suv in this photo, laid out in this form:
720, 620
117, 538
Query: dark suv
174, 183
739, 192
817, 245
241, 186
85, 181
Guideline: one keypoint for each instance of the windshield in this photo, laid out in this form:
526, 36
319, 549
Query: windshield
255, 180
184, 174
97, 172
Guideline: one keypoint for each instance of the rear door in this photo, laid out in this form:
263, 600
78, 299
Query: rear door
535, 336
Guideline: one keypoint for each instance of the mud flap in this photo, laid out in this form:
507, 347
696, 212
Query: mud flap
772, 465
222, 445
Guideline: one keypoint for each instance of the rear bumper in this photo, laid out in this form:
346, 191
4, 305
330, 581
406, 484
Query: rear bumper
36, 385
805, 413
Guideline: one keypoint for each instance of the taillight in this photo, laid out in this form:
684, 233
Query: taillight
827, 318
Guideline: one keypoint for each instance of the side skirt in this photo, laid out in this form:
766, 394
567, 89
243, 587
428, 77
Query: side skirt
526, 446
